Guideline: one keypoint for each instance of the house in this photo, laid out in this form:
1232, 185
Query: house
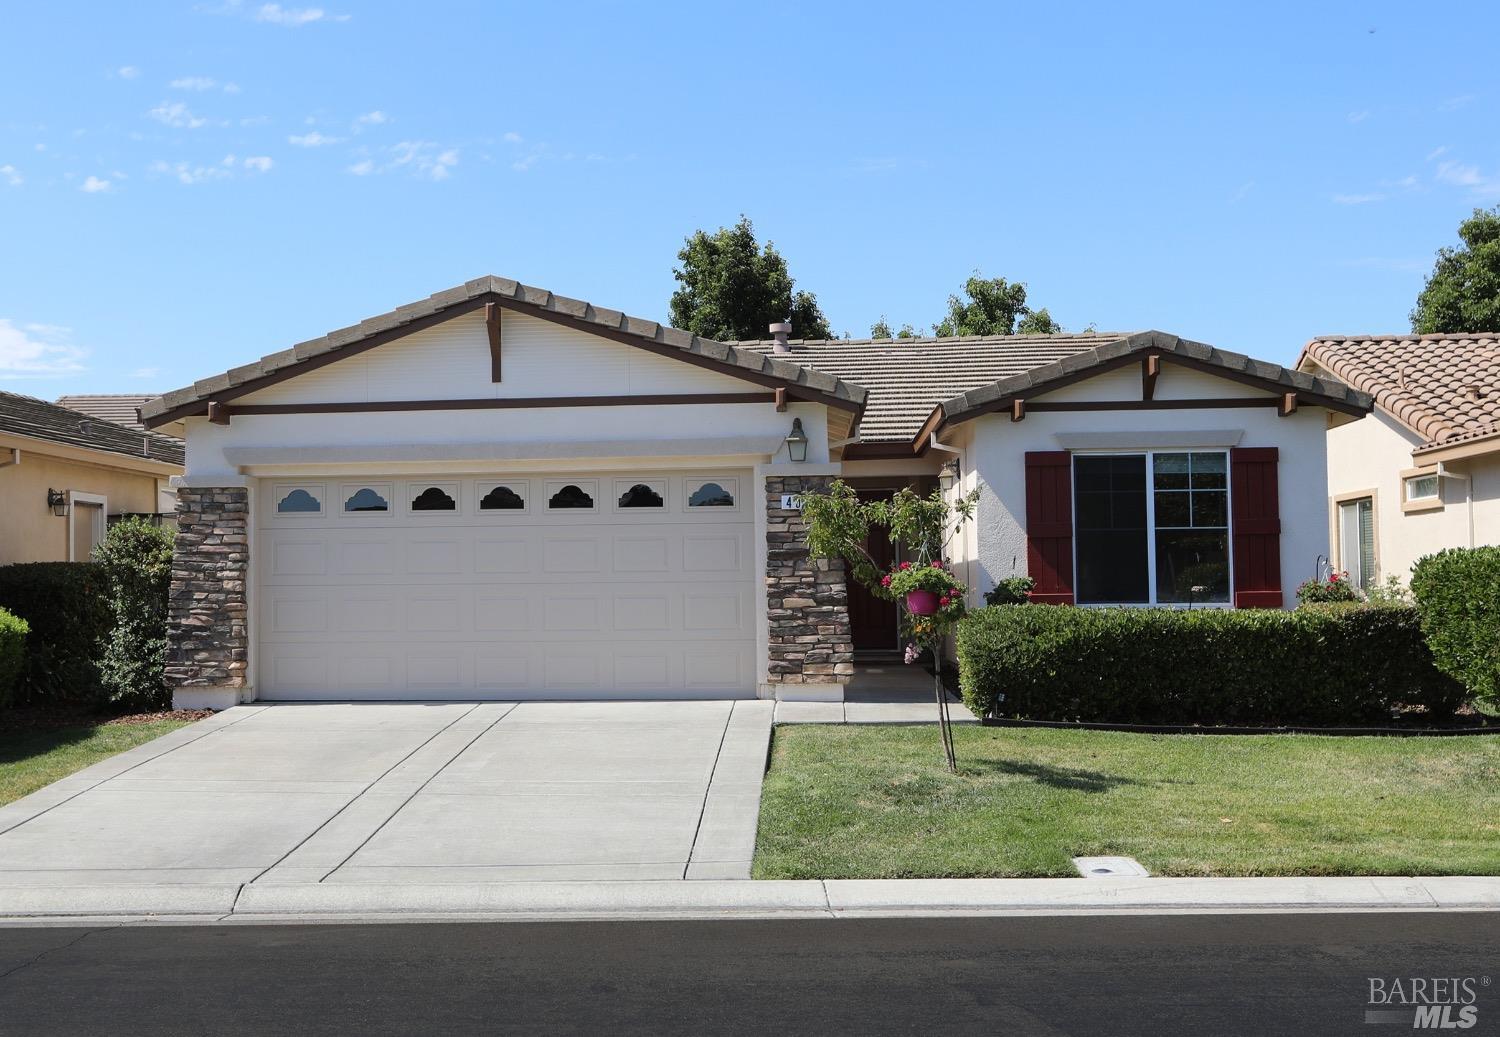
64, 475
120, 408
501, 492
1424, 473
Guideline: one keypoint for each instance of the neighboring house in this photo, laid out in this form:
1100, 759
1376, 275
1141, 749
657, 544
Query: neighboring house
1424, 473
120, 408
500, 492
64, 475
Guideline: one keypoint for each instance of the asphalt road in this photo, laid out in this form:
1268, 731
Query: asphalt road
1219, 975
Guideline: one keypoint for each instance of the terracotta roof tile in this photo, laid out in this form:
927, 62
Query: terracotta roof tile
1445, 388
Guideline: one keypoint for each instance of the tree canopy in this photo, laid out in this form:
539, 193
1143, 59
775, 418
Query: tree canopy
994, 307
732, 288
882, 329
1463, 291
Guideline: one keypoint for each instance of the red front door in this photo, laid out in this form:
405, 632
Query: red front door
874, 623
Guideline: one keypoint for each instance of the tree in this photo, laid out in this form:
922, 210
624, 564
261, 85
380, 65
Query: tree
995, 307
731, 288
882, 329
1463, 291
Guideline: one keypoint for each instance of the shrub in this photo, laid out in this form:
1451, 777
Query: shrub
1013, 590
1336, 588
13, 631
136, 558
66, 605
1323, 664
1458, 596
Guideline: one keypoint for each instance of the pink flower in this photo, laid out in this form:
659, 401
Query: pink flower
944, 602
885, 581
937, 565
904, 565
1333, 577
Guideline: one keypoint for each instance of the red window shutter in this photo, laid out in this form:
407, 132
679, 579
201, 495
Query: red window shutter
1049, 525
1255, 526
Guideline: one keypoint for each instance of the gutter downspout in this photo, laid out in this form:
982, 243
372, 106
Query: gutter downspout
1468, 481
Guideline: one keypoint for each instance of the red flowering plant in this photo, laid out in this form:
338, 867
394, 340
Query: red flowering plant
1335, 588
935, 578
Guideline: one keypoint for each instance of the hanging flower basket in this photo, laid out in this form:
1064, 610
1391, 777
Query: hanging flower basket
922, 603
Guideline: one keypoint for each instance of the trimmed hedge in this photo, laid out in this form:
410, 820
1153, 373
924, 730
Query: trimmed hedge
1458, 596
136, 557
13, 631
1321, 664
66, 604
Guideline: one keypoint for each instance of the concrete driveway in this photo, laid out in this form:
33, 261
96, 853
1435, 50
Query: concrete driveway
408, 792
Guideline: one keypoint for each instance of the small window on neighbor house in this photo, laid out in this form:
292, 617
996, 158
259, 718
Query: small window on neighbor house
298, 502
1422, 487
433, 499
1357, 541
640, 496
502, 498
711, 495
570, 496
366, 500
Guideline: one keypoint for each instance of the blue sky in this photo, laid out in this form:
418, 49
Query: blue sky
185, 187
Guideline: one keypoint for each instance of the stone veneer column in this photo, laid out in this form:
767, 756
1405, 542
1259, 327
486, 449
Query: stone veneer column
207, 632
807, 602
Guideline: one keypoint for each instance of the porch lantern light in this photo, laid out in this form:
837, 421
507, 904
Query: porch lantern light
796, 442
948, 475
57, 500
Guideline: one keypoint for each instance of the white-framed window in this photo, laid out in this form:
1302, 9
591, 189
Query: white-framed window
86, 524
717, 492
1356, 532
572, 495
365, 498
298, 500
640, 495
1151, 528
432, 498
502, 497
1421, 487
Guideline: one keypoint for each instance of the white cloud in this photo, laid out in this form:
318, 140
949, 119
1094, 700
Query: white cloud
312, 139
1436, 152
1454, 103
194, 83
258, 164
145, 372
127, 72
1358, 116
190, 173
1243, 191
37, 351
375, 118
512, 137
420, 158
231, 88
1459, 174
295, 17
1358, 199
94, 185
11, 175
175, 113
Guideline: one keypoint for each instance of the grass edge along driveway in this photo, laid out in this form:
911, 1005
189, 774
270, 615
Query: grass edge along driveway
876, 802
32, 759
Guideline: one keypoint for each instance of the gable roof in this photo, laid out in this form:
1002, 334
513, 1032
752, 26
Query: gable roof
802, 382
907, 378
38, 419
1444, 388
119, 408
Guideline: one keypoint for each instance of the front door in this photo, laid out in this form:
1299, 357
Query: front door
874, 623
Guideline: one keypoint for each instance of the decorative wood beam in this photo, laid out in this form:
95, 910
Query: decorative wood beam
1287, 405
520, 403
1018, 410
492, 325
218, 413
1150, 369
1041, 406
780, 399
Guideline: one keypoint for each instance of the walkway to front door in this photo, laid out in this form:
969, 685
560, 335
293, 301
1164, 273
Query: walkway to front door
408, 792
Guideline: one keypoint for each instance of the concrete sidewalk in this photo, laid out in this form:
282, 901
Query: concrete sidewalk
312, 901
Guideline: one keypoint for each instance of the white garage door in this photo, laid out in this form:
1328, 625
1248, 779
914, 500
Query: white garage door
579, 586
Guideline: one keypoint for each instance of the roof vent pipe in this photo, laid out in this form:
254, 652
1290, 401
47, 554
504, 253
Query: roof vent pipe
779, 333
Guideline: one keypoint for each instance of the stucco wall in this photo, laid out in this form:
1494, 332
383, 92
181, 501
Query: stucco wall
1369, 456
29, 532
999, 448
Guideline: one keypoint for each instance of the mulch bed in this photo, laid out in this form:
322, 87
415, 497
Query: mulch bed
42, 719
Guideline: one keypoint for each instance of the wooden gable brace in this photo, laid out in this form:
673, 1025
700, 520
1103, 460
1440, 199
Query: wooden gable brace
492, 325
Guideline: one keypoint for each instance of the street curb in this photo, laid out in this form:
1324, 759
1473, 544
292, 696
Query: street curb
811, 898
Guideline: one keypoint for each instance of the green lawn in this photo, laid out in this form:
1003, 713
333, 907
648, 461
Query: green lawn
31, 759
876, 802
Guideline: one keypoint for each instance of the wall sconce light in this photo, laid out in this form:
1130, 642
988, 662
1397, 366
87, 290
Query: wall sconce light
948, 475
57, 500
796, 442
